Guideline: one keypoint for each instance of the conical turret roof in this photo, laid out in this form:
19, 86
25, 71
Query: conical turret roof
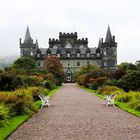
99, 43
27, 36
37, 46
108, 35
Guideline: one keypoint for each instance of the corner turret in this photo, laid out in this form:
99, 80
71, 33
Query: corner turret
28, 48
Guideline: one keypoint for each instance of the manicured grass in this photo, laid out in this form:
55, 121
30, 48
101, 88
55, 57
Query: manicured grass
13, 124
117, 103
16, 121
125, 108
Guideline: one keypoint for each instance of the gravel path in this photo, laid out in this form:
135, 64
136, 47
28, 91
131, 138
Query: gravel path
77, 115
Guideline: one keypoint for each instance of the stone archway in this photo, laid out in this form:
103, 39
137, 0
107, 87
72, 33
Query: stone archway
68, 76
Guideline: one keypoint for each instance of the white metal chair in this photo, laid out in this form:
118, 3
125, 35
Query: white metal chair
45, 101
110, 99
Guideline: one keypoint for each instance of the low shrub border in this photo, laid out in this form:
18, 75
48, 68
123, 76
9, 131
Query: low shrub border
123, 106
17, 121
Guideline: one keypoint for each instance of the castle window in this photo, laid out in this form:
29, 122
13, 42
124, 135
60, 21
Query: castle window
31, 53
39, 64
88, 54
55, 46
21, 53
68, 54
88, 63
68, 45
98, 63
104, 52
38, 55
81, 47
98, 55
78, 64
115, 53
105, 64
58, 55
78, 54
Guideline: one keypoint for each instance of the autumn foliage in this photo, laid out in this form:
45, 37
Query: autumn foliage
91, 77
52, 65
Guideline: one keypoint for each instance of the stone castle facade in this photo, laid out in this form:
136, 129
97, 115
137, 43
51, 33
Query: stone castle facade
73, 52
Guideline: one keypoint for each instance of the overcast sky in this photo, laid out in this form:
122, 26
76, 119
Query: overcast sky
90, 18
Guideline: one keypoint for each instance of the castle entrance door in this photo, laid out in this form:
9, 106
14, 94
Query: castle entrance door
68, 77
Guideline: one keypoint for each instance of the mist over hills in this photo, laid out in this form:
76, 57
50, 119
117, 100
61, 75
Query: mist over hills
7, 61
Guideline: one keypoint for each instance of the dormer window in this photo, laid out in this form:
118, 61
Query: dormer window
98, 54
78, 54
105, 64
55, 46
68, 54
68, 45
58, 55
104, 52
88, 54
81, 47
38, 55
31, 53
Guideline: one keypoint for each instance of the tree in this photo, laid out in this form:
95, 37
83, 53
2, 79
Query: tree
86, 69
24, 63
138, 65
127, 66
118, 73
52, 65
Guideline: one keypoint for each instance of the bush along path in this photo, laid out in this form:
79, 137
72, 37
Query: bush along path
77, 115
14, 122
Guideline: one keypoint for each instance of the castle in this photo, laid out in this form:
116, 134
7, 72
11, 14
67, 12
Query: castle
73, 52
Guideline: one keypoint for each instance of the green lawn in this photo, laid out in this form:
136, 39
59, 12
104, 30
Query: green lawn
16, 121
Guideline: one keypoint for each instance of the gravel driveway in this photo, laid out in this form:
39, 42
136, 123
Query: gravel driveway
77, 115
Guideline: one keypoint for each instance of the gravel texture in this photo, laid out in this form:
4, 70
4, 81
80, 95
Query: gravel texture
77, 115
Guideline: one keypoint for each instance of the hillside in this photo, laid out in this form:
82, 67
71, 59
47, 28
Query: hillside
7, 61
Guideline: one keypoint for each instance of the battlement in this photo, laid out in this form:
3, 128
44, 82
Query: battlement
53, 41
68, 35
83, 40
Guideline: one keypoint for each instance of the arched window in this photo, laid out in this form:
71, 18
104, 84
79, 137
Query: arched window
31, 53
81, 46
68, 45
55, 46
39, 64
78, 64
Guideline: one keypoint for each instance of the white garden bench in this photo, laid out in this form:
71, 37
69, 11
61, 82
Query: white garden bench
109, 100
45, 101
